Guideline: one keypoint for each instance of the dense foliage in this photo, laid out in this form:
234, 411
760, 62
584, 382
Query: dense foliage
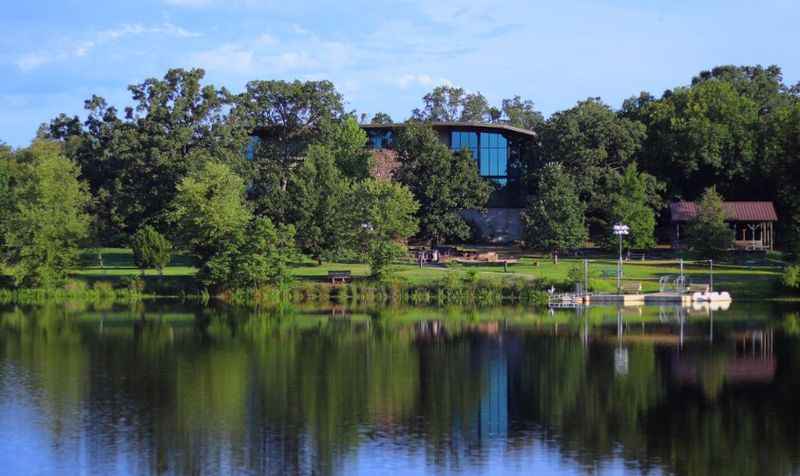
48, 218
150, 249
554, 218
442, 182
384, 220
708, 233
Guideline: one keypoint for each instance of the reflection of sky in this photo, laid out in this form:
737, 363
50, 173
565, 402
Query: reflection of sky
381, 457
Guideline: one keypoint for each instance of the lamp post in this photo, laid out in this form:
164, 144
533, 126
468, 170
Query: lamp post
620, 230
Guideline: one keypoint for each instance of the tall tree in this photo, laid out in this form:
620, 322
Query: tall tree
442, 182
554, 218
209, 210
521, 113
589, 140
49, 218
381, 118
475, 108
288, 117
443, 104
632, 200
320, 210
383, 219
133, 162
347, 140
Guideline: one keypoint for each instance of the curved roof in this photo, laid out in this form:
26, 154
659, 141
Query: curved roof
734, 211
459, 125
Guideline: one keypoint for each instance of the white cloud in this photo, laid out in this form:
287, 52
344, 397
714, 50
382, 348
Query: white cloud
167, 29
36, 59
407, 80
227, 58
32, 61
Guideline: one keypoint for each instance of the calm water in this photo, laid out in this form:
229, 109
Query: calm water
178, 390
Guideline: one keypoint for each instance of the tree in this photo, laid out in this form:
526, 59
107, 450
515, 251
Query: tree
589, 139
258, 255
132, 163
442, 182
554, 218
48, 219
708, 233
443, 104
381, 118
383, 218
288, 117
347, 140
475, 108
150, 249
631, 199
521, 113
209, 210
320, 193
6, 192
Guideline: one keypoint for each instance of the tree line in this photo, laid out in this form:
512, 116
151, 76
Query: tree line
178, 168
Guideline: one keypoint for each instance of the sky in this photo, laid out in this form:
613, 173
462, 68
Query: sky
382, 56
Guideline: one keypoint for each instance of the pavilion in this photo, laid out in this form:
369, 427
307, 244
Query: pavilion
752, 222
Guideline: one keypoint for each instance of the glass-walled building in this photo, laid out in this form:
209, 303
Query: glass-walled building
499, 152
494, 147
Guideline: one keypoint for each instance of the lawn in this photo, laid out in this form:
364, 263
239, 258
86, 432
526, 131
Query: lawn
745, 281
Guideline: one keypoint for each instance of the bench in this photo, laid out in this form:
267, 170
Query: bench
631, 288
339, 277
698, 288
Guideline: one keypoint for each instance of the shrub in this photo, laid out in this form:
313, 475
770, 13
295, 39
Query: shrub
150, 249
791, 277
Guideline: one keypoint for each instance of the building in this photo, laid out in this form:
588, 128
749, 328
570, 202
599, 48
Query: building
498, 149
753, 223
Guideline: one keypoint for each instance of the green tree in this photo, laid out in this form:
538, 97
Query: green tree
209, 210
320, 213
589, 140
442, 182
288, 117
443, 104
632, 199
522, 113
6, 195
384, 219
347, 140
133, 162
381, 118
708, 233
150, 249
259, 254
554, 219
49, 218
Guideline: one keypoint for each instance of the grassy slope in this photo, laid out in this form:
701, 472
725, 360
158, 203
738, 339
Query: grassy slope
744, 282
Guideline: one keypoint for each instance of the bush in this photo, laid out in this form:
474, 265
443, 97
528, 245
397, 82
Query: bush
791, 277
74, 286
150, 249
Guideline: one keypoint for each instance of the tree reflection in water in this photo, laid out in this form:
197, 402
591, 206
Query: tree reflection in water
174, 389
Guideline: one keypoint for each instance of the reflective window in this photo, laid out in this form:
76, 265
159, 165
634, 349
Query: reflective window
494, 156
250, 152
380, 139
465, 140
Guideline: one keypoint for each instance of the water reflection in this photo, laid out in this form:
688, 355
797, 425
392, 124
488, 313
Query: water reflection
180, 390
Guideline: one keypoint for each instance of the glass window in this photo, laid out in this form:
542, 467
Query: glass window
250, 152
380, 139
494, 156
464, 140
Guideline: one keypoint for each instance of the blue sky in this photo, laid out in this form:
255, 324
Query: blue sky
383, 56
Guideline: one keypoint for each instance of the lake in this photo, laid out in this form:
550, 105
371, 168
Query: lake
170, 388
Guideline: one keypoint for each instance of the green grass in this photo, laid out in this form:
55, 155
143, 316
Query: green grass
744, 281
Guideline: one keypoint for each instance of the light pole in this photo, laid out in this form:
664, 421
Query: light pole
620, 230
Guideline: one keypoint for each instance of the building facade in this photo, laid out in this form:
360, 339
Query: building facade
499, 151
